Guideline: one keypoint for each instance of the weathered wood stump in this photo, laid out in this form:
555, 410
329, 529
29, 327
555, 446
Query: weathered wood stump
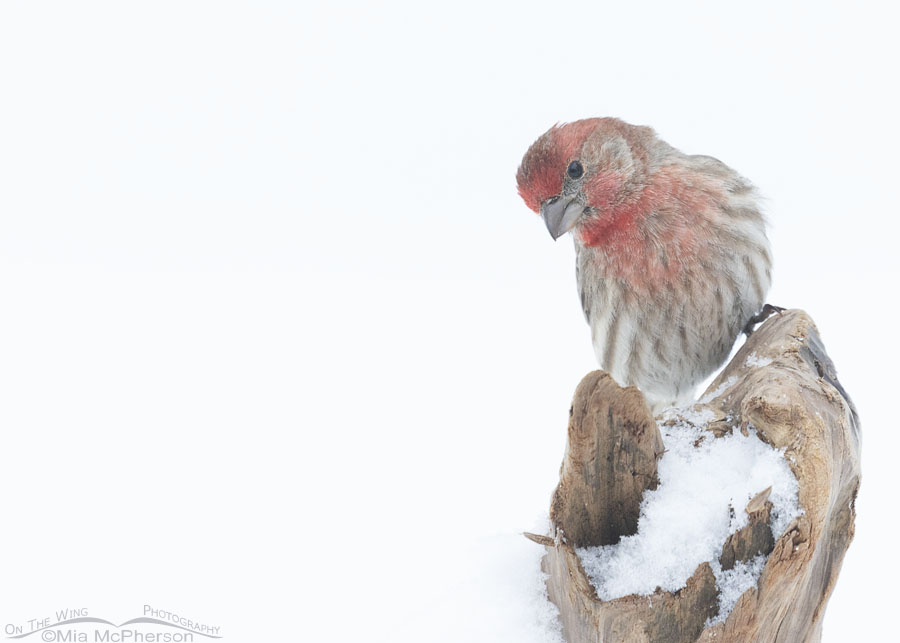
782, 384
614, 445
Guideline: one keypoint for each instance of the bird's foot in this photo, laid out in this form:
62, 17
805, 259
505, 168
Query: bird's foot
767, 311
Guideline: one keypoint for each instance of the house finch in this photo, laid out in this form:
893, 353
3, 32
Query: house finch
672, 259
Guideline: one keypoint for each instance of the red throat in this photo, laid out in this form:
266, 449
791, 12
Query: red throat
644, 257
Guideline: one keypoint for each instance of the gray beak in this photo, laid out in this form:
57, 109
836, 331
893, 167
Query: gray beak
560, 214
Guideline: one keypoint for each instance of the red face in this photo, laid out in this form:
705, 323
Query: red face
543, 169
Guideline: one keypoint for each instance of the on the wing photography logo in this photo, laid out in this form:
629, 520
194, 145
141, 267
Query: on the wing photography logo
79, 626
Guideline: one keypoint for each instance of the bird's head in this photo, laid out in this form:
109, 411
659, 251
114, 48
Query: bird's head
578, 171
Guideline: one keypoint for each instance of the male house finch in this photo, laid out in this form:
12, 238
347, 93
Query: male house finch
672, 259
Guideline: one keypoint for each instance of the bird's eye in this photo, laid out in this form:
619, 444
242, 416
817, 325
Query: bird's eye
575, 170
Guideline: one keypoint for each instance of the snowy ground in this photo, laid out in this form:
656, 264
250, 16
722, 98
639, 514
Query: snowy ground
281, 348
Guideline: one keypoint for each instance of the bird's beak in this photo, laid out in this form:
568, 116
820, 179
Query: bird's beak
560, 215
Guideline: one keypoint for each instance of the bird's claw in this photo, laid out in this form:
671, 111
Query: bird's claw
767, 311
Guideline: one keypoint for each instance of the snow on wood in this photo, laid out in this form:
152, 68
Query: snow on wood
738, 531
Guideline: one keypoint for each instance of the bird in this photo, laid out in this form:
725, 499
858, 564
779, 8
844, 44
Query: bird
672, 256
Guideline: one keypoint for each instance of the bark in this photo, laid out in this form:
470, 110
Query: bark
613, 448
789, 393
754, 539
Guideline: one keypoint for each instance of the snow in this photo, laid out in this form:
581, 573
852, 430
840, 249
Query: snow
734, 582
728, 383
755, 361
705, 484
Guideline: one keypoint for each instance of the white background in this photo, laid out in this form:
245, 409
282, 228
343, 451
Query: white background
281, 349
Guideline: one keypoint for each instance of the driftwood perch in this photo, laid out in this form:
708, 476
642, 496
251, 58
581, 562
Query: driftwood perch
780, 383
614, 445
